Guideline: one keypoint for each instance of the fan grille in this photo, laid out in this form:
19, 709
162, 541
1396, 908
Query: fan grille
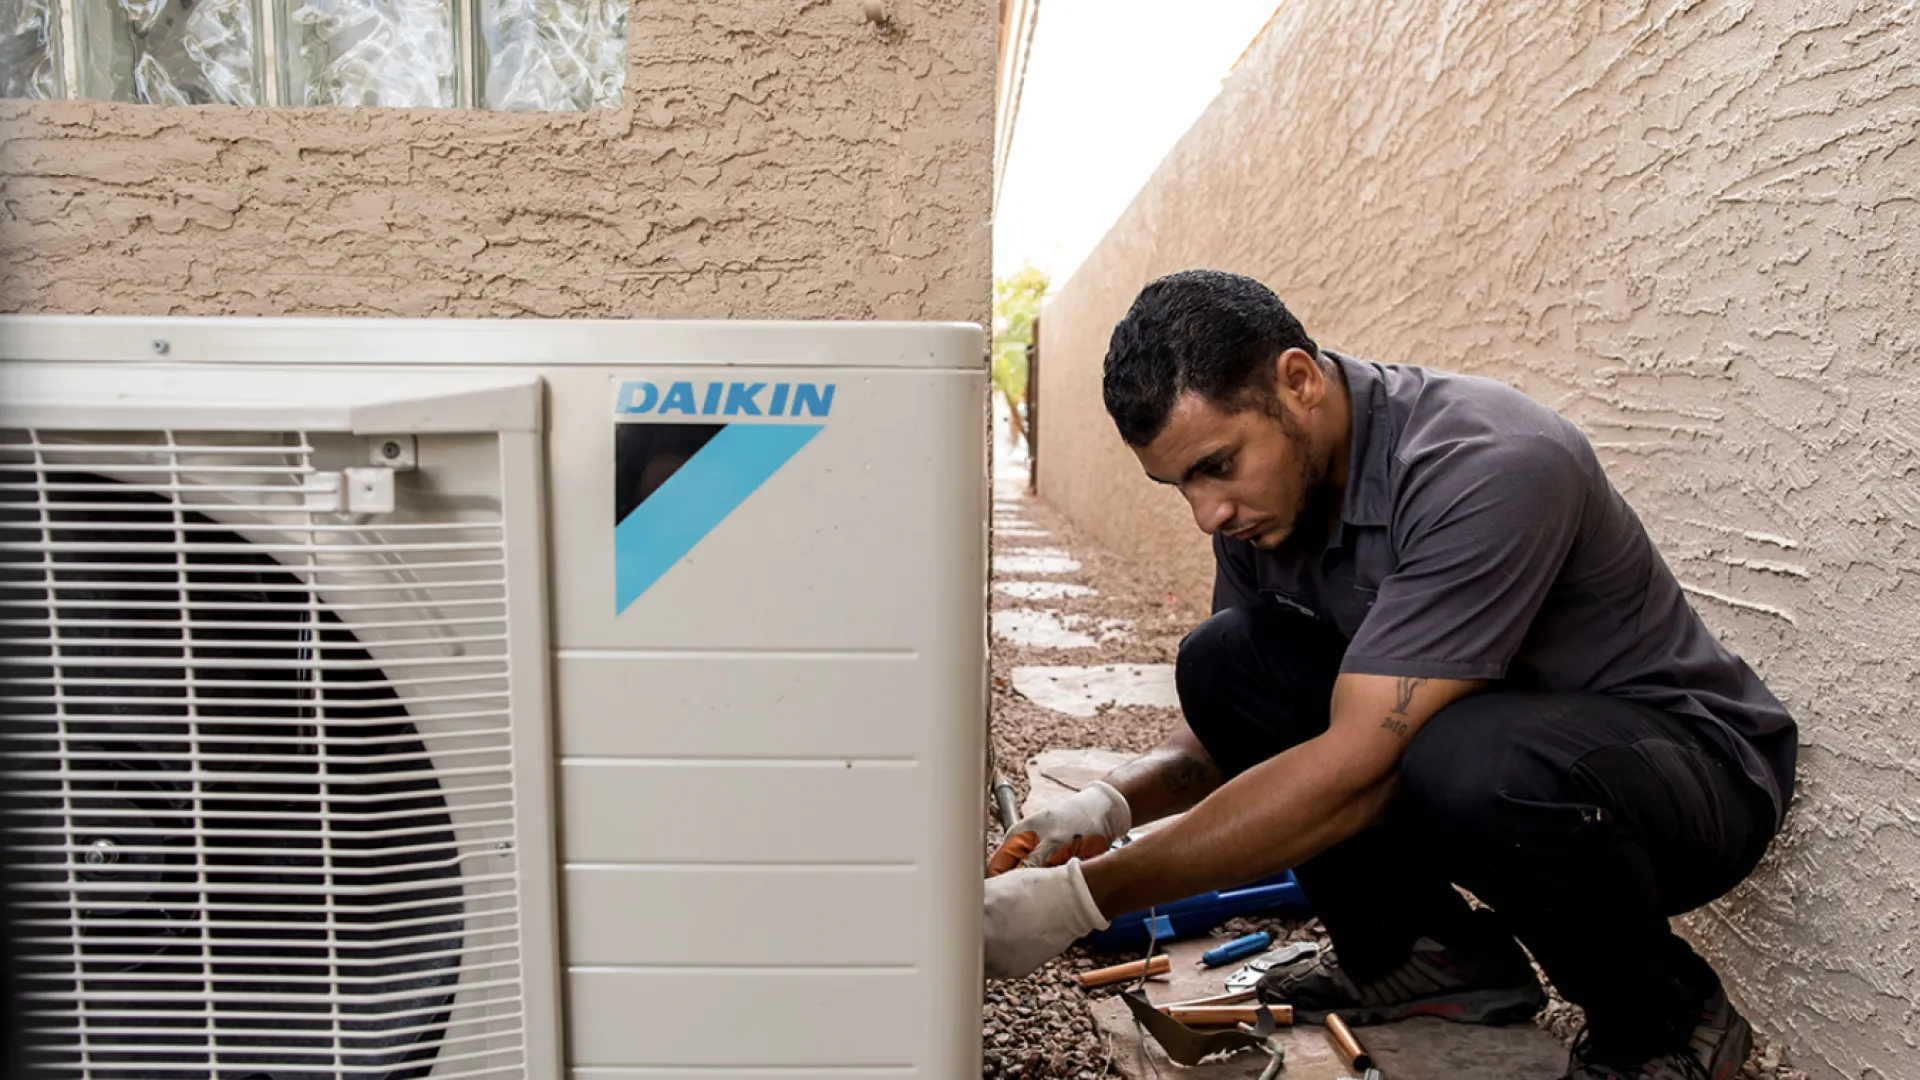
259, 762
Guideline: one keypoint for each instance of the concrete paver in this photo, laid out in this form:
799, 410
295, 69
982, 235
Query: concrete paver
1018, 561
1042, 590
1082, 691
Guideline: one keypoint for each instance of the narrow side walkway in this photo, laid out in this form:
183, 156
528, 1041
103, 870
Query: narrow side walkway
1082, 657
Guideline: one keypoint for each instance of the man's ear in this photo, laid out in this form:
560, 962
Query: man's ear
1297, 372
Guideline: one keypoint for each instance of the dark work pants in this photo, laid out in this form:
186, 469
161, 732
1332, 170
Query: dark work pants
1583, 821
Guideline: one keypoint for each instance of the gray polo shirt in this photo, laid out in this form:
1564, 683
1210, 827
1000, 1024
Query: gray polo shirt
1479, 538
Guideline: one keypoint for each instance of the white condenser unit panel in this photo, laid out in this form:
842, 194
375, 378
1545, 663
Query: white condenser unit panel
396, 698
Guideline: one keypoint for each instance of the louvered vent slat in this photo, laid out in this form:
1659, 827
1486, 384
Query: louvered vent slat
261, 766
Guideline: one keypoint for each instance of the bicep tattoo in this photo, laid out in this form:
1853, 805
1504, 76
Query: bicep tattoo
1404, 689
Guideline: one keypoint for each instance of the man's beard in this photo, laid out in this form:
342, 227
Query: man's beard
1319, 500
1317, 509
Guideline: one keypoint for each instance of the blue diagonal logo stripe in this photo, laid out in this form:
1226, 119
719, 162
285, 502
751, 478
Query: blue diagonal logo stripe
697, 497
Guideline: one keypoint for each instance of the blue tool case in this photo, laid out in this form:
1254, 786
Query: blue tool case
1198, 914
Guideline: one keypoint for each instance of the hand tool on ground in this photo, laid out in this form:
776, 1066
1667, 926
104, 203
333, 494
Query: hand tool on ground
1272, 1071
1186, 1046
1248, 976
1214, 1016
1107, 976
1346, 1045
1235, 949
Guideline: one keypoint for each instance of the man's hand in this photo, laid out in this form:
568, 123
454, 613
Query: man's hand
1079, 827
1033, 915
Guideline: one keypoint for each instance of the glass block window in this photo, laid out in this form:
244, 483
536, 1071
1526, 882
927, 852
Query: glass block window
526, 55
169, 52
553, 54
30, 49
370, 52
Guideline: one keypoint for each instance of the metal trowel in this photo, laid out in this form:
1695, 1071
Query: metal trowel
1185, 1045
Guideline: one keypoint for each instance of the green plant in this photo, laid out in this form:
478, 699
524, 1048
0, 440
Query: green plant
1016, 303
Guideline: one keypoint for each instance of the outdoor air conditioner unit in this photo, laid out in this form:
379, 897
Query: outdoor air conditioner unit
494, 699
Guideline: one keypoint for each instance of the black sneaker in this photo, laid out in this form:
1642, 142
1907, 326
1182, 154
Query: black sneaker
1720, 1044
1435, 981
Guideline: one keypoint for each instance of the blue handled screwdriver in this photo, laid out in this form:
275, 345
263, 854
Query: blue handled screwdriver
1237, 948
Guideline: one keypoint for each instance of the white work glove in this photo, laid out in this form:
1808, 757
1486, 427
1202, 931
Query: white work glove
1033, 915
1080, 826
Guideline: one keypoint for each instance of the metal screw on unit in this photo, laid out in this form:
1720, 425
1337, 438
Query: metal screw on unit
160, 347
503, 846
396, 453
102, 853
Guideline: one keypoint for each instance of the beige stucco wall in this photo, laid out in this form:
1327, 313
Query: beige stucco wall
773, 159
1694, 227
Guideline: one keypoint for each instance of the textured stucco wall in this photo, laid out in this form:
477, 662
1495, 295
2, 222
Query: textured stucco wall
772, 159
1691, 226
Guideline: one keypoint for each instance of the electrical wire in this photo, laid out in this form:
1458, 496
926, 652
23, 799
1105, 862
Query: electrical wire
1146, 962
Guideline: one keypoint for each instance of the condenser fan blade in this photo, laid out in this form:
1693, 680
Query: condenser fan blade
223, 795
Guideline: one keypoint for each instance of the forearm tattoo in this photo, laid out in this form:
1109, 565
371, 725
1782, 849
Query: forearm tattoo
1184, 775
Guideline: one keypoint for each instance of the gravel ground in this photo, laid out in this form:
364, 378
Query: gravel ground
1040, 1026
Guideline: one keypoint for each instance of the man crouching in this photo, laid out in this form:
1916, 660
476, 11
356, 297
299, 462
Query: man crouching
1443, 652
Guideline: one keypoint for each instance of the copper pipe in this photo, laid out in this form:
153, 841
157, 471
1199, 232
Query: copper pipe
1206, 1016
1106, 976
1346, 1045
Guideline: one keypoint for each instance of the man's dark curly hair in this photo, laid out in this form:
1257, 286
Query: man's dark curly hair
1207, 331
